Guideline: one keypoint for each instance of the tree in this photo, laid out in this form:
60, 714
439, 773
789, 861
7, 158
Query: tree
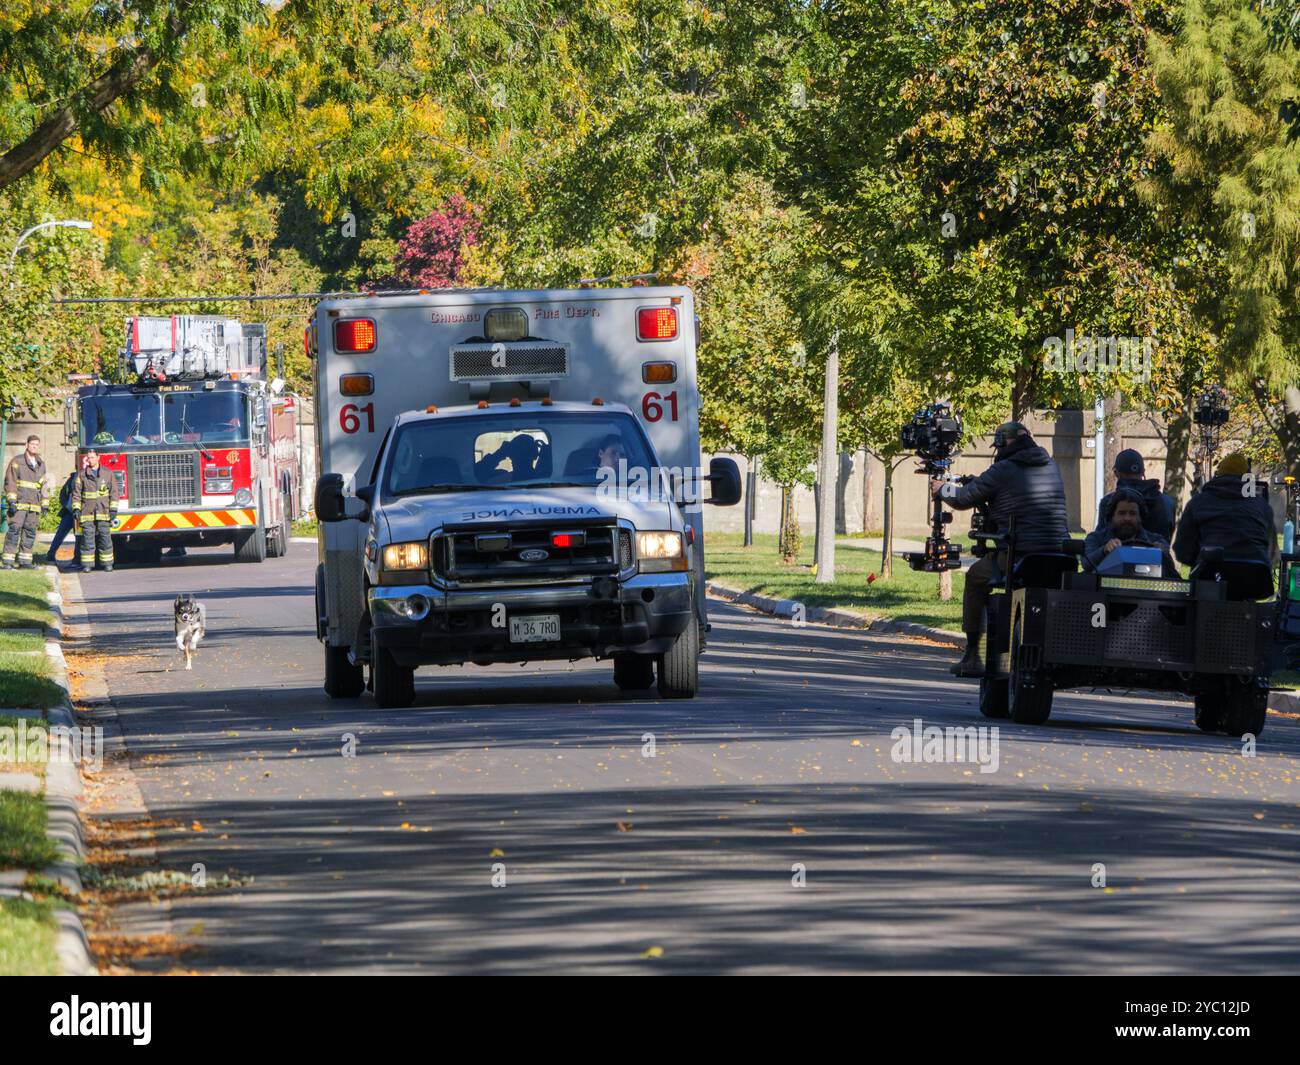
432, 253
1229, 77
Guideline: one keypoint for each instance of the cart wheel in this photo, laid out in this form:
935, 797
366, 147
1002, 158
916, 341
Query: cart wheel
993, 696
993, 688
1029, 691
1208, 712
1246, 710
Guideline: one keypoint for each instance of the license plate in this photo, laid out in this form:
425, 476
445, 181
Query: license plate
535, 628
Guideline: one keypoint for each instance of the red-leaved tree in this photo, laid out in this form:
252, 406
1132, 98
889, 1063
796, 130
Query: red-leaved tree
432, 252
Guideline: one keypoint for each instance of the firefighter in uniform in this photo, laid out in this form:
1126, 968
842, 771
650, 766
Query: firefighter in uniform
25, 492
94, 512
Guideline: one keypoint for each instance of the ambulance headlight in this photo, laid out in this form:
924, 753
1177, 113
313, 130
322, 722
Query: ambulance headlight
243, 497
660, 552
412, 555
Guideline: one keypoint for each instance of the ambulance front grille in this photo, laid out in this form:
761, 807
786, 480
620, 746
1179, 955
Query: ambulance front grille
509, 362
167, 480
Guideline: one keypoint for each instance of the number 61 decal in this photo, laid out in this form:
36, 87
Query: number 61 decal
350, 417
652, 406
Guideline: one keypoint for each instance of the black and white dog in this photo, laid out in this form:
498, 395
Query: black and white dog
191, 626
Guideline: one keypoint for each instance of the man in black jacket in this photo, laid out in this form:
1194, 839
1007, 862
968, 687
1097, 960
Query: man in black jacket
1228, 513
1023, 483
1130, 474
1123, 522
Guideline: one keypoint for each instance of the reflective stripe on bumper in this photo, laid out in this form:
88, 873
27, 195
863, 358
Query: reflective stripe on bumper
187, 519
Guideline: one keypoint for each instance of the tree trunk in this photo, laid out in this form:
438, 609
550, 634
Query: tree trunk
841, 506
887, 539
945, 585
1178, 442
1022, 389
1288, 429
868, 501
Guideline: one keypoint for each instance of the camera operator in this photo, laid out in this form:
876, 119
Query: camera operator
1023, 483
1157, 507
1123, 515
1227, 513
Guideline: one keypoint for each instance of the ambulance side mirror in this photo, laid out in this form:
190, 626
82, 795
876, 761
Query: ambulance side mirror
724, 478
70, 420
330, 505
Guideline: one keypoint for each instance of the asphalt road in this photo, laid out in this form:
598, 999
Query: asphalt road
685, 861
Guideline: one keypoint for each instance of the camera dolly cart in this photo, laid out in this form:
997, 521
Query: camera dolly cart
1212, 636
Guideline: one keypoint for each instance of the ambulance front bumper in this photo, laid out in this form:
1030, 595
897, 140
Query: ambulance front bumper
423, 625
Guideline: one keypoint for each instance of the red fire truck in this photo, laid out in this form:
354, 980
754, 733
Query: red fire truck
202, 445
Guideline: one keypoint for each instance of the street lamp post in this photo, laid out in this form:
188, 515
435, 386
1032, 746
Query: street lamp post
62, 223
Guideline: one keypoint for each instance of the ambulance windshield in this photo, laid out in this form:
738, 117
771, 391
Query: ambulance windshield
533, 449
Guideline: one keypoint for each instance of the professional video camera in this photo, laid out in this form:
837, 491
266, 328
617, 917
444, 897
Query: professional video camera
1209, 414
933, 433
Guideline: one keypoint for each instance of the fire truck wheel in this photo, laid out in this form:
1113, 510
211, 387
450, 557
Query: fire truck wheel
394, 685
250, 546
679, 667
633, 672
1208, 712
343, 680
277, 542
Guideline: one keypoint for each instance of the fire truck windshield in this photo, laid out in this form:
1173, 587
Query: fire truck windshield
209, 417
121, 419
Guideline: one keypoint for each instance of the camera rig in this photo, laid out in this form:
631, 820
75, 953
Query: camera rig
1209, 414
933, 434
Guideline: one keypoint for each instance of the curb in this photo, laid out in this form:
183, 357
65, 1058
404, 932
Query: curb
63, 809
844, 619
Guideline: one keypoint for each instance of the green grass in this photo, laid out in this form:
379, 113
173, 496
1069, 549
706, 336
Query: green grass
305, 527
28, 934
907, 596
23, 843
22, 599
24, 678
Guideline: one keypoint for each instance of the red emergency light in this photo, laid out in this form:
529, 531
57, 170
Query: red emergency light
354, 336
656, 323
568, 539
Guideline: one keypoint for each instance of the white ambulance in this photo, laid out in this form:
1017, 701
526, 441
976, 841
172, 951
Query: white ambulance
510, 476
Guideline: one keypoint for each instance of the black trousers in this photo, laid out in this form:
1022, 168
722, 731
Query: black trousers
981, 579
96, 536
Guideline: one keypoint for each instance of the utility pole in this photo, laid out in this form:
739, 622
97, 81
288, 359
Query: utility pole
828, 471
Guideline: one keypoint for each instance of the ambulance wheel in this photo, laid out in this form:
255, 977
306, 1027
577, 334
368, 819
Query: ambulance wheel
634, 673
1029, 691
679, 666
343, 680
394, 685
250, 544
1247, 709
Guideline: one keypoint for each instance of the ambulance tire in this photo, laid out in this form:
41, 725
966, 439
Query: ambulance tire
679, 666
250, 544
394, 685
343, 680
634, 673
